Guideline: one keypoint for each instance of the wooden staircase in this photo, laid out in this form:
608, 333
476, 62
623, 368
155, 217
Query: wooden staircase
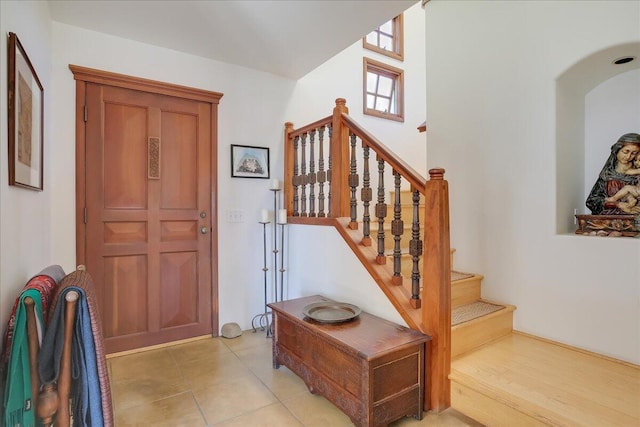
502, 377
474, 328
336, 173
478, 326
479, 366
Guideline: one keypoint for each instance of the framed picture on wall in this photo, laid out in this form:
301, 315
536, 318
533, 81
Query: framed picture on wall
249, 162
25, 119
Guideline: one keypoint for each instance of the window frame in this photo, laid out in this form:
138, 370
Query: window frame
398, 40
397, 75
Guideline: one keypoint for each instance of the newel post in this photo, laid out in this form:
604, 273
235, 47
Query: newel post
339, 155
288, 169
436, 292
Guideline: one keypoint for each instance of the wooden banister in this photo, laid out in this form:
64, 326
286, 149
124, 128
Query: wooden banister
383, 152
428, 309
288, 167
339, 154
311, 126
436, 293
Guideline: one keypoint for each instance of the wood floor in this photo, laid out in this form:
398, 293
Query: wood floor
519, 380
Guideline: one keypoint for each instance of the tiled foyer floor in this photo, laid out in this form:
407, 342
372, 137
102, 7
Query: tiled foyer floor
225, 382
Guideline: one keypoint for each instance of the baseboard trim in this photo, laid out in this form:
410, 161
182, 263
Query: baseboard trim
157, 346
578, 349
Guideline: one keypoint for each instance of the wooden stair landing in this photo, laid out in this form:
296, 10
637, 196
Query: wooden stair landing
520, 380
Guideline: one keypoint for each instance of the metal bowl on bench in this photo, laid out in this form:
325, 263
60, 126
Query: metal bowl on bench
331, 312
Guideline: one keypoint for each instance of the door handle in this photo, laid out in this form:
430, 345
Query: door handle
204, 230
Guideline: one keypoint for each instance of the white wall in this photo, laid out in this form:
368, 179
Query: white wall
250, 113
491, 83
320, 262
491, 70
331, 269
341, 77
25, 225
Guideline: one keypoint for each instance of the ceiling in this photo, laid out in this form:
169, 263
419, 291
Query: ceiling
283, 37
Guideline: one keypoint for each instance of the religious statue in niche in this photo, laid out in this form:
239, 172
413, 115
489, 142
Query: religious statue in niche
614, 200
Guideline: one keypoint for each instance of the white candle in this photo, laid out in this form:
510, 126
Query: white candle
264, 215
275, 184
282, 216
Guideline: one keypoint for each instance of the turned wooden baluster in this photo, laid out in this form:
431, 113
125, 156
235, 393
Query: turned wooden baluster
354, 182
415, 249
381, 212
322, 175
303, 174
296, 177
366, 194
397, 228
311, 177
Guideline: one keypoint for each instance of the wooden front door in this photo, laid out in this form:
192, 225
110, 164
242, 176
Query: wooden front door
149, 214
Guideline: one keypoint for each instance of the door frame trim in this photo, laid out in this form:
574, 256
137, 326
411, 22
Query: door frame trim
83, 76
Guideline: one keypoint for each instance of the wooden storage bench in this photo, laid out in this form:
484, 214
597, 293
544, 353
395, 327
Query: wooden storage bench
370, 368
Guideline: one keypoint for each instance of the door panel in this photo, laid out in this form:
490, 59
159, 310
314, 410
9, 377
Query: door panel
125, 138
124, 308
148, 179
125, 232
179, 184
180, 295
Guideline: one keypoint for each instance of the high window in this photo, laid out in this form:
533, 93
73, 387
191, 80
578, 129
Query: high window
387, 39
383, 90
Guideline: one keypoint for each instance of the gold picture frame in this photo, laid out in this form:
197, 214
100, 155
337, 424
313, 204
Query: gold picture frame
25, 119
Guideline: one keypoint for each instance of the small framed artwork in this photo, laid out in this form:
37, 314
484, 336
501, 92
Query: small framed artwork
249, 162
25, 119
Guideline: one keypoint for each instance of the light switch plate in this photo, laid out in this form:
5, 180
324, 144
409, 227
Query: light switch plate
235, 215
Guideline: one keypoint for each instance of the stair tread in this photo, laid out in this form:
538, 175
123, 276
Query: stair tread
459, 275
475, 310
550, 382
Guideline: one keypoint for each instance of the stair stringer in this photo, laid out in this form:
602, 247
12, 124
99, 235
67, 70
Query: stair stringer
399, 296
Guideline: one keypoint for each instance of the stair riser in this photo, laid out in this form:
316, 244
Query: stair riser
406, 197
466, 291
486, 410
406, 213
470, 335
389, 242
407, 266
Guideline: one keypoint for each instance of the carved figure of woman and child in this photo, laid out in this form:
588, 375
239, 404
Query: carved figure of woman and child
614, 200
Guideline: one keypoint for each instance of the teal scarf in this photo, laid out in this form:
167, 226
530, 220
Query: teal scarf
19, 407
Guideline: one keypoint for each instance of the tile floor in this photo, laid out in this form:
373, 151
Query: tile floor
227, 383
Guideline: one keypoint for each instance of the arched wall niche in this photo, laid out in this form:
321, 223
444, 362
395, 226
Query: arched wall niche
584, 91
